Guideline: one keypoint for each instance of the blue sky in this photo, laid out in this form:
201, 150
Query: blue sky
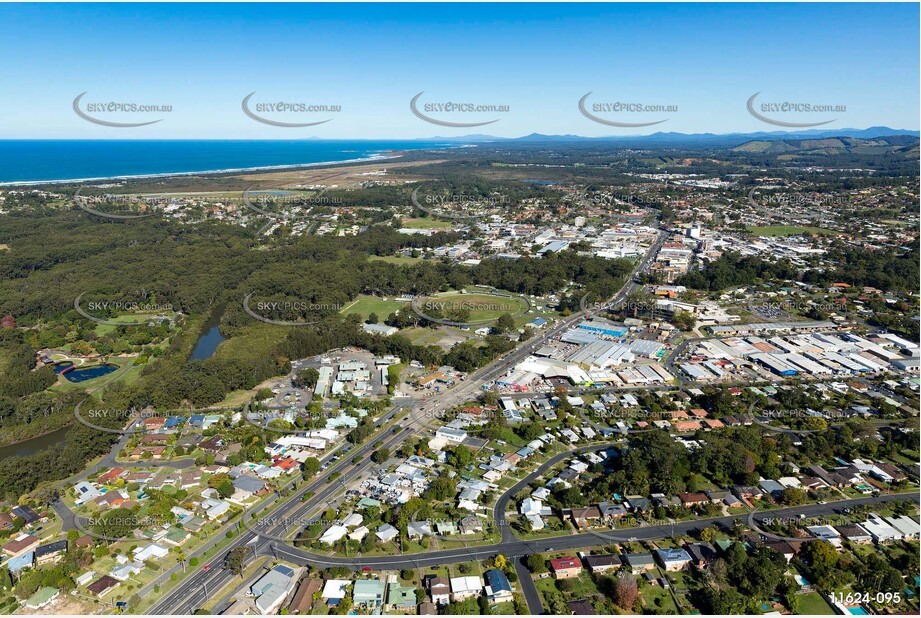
371, 59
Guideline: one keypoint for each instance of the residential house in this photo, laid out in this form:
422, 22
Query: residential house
498, 588
673, 559
602, 563
565, 567
465, 587
102, 586
50, 552
272, 589
639, 563
20, 545
439, 589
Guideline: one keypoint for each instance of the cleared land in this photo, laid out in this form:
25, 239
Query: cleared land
365, 305
483, 308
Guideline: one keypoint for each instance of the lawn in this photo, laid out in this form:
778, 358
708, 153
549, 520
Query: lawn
483, 308
812, 604
651, 594
788, 230
401, 260
366, 305
423, 224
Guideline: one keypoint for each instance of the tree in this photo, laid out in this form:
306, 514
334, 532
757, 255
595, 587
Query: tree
373, 319
536, 563
625, 591
460, 457
311, 467
306, 378
236, 560
504, 324
792, 496
380, 455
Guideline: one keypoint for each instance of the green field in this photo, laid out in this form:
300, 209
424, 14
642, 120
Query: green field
788, 230
128, 319
483, 308
813, 603
401, 260
366, 305
423, 224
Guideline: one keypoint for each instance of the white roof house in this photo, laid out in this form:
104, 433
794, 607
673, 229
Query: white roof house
333, 534
150, 551
335, 588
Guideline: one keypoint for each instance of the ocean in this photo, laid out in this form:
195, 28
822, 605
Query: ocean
31, 161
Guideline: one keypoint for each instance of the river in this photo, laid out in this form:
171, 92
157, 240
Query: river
33, 445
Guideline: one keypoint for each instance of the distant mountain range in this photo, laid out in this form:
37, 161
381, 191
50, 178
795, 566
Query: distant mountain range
701, 139
832, 145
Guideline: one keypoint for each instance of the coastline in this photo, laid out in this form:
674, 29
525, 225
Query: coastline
384, 155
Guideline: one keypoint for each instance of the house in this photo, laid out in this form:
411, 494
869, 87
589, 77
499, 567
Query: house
150, 551
854, 534
585, 517
246, 487
611, 511
418, 529
369, 593
26, 514
50, 552
427, 608
386, 533
125, 571
783, 548
465, 587
701, 554
42, 597
20, 545
498, 588
581, 607
273, 588
401, 598
565, 567
102, 586
639, 563
602, 563
334, 590
693, 499
6, 521
673, 559
302, 601
471, 524
439, 589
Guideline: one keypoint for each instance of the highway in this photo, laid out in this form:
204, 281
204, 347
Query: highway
194, 589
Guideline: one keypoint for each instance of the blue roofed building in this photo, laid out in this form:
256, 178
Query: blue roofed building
173, 422
498, 588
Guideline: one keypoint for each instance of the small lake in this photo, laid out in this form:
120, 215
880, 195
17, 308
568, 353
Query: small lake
82, 375
34, 445
210, 338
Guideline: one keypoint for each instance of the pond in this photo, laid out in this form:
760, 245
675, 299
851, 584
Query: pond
82, 375
210, 338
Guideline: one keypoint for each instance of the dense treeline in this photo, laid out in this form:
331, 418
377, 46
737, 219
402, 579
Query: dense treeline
886, 270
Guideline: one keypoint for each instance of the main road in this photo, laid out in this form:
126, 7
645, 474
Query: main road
263, 539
